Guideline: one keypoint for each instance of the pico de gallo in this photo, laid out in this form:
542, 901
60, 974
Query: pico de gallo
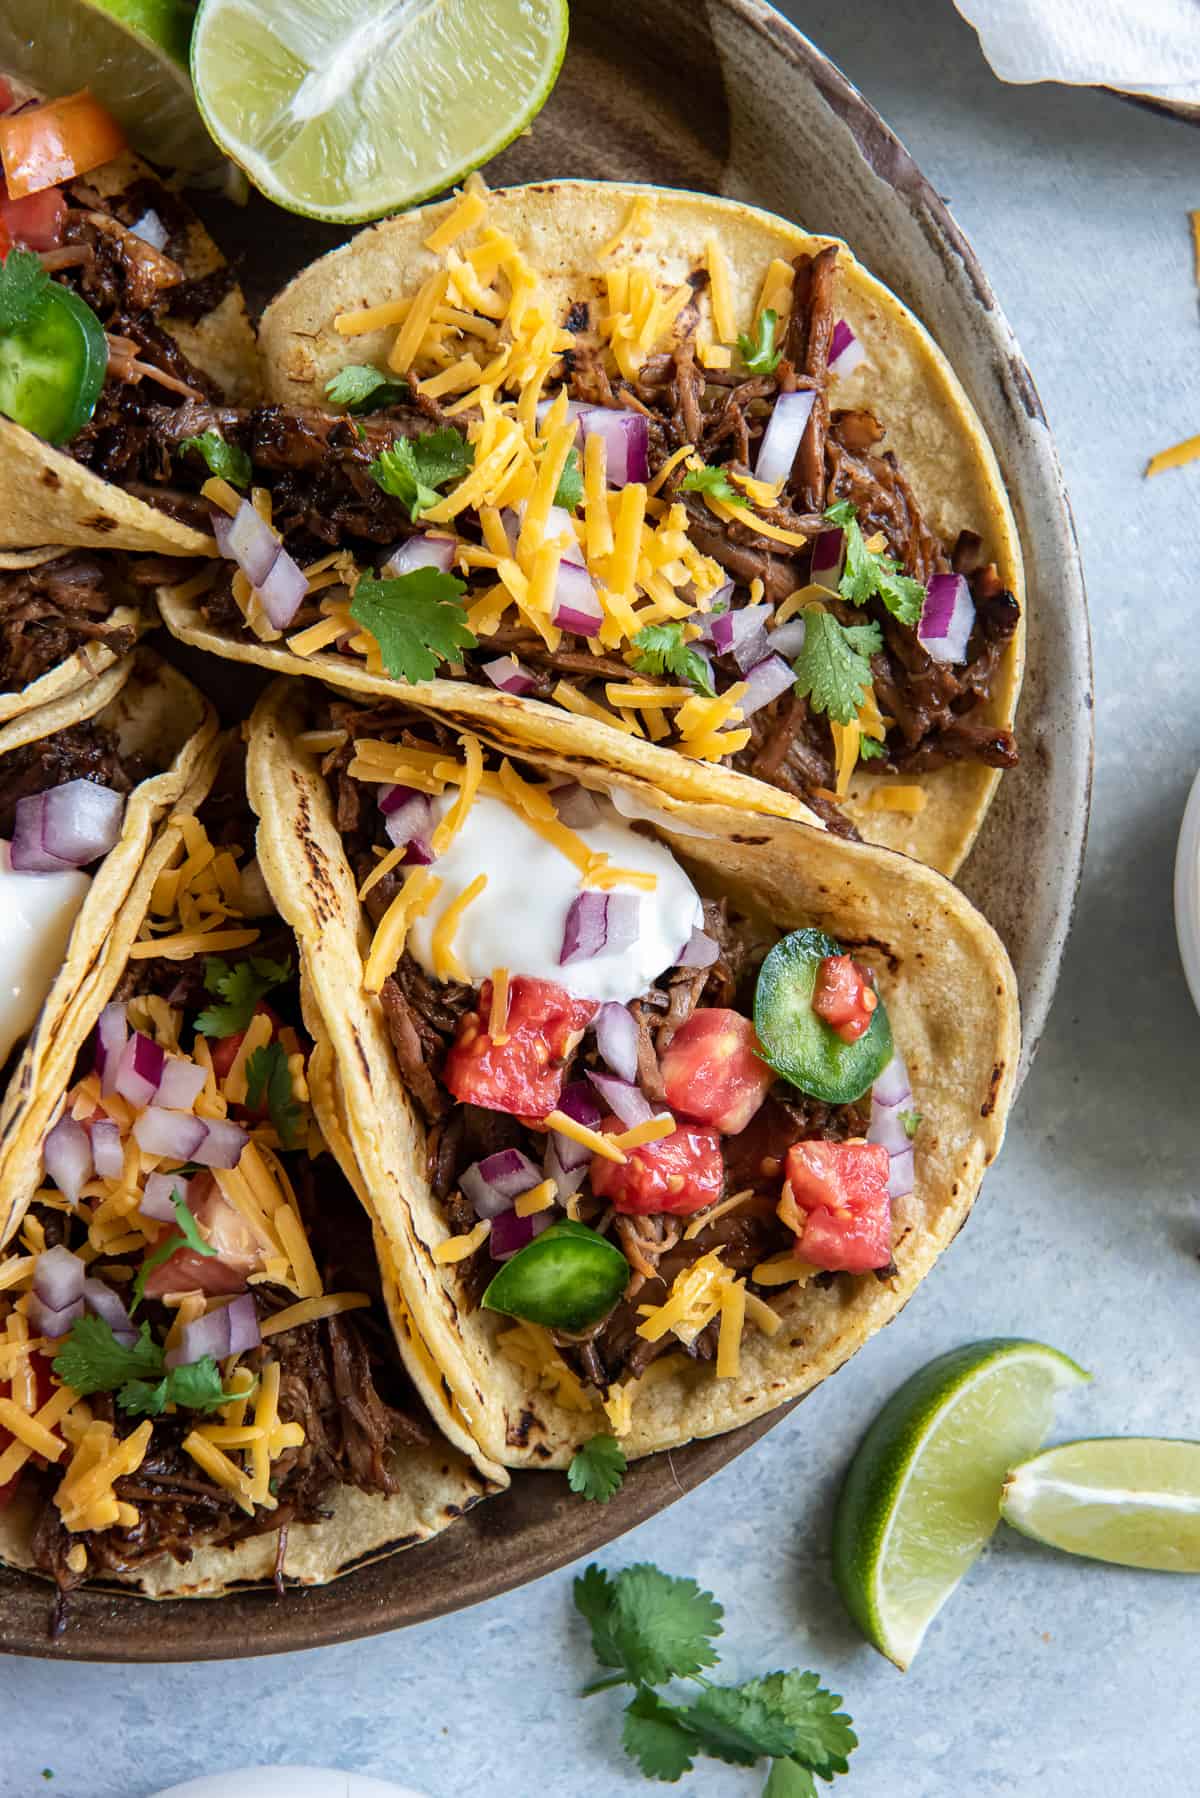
648, 1113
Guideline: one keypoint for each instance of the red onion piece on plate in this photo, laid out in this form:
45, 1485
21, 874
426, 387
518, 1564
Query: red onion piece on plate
586, 930
617, 1039
578, 1102
407, 814
207, 1335
58, 1277
577, 806
28, 854
283, 591
67, 1152
108, 1155
576, 607
244, 1332
420, 551
947, 618
626, 442
174, 1133
731, 632
787, 640
493, 1184
139, 1071
846, 353
765, 682
251, 542
150, 228
222, 1146
699, 951
181, 1084
893, 1086
828, 559
112, 1033
158, 1194
510, 1232
508, 674
48, 1322
902, 1175
626, 1103
567, 1180
781, 439
81, 821
103, 1302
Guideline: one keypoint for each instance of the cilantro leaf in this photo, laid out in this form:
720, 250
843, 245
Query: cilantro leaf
715, 482
268, 1076
759, 352
656, 1739
867, 574
832, 669
594, 1601
416, 619
788, 1779
912, 1121
822, 1738
665, 652
223, 459
241, 988
414, 468
196, 1386
661, 1626
23, 281
738, 1724
869, 749
569, 491
359, 388
92, 1360
188, 1238
598, 1469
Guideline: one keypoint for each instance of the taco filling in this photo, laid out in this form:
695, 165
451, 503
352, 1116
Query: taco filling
629, 508
68, 603
650, 1114
195, 1348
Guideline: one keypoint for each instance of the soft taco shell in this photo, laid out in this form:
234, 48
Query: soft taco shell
48, 494
952, 999
562, 228
159, 715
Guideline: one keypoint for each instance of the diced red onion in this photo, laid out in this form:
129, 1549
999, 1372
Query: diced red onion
576, 805
902, 1175
159, 1193
112, 1033
887, 1128
586, 930
174, 1133
622, 1098
781, 439
107, 1153
283, 591
718, 604
65, 827
576, 607
507, 674
58, 1277
103, 1302
139, 1071
626, 442
828, 559
181, 1084
890, 1096
67, 1152
244, 1332
407, 814
55, 1324
493, 1184
846, 353
222, 1145
947, 618
623, 920
28, 854
574, 408
421, 551
698, 952
418, 854
226, 1330
567, 1180
788, 639
560, 529
617, 1039
510, 1232
577, 1102
511, 523
731, 631
765, 682
151, 230
893, 1086
252, 543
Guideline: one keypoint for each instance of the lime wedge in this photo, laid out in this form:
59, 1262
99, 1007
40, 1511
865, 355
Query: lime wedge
1134, 1500
133, 54
922, 1496
345, 111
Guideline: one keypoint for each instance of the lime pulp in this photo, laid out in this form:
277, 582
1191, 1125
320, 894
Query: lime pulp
1132, 1500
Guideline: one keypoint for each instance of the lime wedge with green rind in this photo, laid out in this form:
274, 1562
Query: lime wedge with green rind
1132, 1500
132, 54
922, 1496
344, 111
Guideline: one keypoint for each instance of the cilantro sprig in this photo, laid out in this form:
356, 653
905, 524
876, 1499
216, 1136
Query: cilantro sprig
652, 1629
92, 1360
569, 491
223, 459
759, 352
833, 669
663, 651
414, 468
240, 988
360, 388
870, 749
912, 1121
417, 620
23, 281
868, 574
715, 482
269, 1079
597, 1469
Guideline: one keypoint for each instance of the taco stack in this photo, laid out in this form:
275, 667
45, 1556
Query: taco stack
662, 1110
66, 616
667, 470
203, 1385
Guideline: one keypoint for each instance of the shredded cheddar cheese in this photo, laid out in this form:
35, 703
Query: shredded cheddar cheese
446, 964
461, 1248
653, 1130
604, 1146
412, 901
538, 1198
311, 1311
911, 800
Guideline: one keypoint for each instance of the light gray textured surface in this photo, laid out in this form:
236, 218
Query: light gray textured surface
1044, 1675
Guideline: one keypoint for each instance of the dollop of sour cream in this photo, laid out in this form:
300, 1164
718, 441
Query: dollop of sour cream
36, 915
517, 922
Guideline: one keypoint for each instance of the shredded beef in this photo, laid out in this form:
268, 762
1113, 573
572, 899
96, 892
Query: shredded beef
48, 612
84, 751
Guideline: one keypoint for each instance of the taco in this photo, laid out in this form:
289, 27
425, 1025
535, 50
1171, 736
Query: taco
202, 1385
711, 488
120, 313
663, 1110
66, 616
85, 784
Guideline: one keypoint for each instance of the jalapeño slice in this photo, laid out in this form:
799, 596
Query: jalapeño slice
800, 1045
52, 367
566, 1278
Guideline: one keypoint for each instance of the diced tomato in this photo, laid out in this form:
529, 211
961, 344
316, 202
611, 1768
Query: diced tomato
713, 1072
43, 1387
6, 94
843, 1187
224, 1052
35, 222
845, 996
524, 1074
44, 145
238, 1251
680, 1173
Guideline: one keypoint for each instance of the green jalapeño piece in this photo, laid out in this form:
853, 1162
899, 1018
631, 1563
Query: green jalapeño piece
52, 366
566, 1278
798, 1043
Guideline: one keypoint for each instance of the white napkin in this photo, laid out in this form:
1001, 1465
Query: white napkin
1140, 46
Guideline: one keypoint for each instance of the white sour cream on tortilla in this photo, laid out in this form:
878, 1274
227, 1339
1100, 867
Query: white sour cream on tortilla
36, 915
517, 922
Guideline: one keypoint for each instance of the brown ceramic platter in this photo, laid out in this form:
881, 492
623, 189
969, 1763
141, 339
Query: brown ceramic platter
665, 99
